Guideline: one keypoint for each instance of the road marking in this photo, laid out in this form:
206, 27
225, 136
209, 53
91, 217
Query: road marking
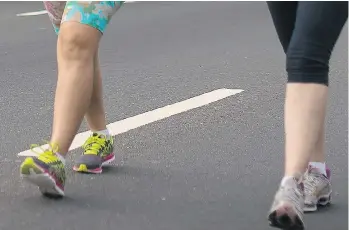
137, 121
32, 13
41, 12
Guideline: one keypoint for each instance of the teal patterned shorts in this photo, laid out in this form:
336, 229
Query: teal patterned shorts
92, 13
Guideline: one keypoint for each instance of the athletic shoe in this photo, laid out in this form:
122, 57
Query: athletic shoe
98, 151
287, 209
45, 171
317, 189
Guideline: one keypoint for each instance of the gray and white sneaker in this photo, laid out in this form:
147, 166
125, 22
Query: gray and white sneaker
287, 209
317, 189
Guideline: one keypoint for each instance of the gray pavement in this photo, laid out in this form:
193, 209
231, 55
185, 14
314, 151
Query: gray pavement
215, 167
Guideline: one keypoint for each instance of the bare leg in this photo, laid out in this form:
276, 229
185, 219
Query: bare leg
319, 153
79, 31
98, 148
76, 47
95, 115
305, 110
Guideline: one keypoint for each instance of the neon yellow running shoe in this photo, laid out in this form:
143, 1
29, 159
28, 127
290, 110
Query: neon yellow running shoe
98, 151
45, 171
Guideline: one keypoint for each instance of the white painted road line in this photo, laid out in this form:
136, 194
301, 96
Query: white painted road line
41, 12
150, 117
32, 13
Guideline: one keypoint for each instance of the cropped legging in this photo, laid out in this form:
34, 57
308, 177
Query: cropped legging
308, 32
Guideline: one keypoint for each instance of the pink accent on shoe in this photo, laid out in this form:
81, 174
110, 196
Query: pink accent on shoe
328, 173
52, 176
108, 157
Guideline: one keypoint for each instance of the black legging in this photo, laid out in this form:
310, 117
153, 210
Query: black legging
308, 32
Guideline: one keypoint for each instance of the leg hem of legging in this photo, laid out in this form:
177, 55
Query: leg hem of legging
308, 78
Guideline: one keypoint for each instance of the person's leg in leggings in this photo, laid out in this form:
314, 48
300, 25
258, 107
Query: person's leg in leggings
317, 177
284, 18
283, 15
83, 24
317, 28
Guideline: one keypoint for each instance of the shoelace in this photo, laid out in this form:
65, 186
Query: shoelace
48, 156
311, 182
93, 145
45, 154
292, 194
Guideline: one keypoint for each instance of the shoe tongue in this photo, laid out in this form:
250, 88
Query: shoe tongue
314, 170
289, 181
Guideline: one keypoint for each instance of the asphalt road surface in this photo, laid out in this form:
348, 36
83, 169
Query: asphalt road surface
214, 167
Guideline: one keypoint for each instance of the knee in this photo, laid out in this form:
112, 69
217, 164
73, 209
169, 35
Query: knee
76, 45
307, 65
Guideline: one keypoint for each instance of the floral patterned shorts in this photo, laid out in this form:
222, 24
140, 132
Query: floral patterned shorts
96, 14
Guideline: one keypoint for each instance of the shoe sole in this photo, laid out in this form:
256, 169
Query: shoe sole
45, 182
322, 201
282, 219
83, 167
